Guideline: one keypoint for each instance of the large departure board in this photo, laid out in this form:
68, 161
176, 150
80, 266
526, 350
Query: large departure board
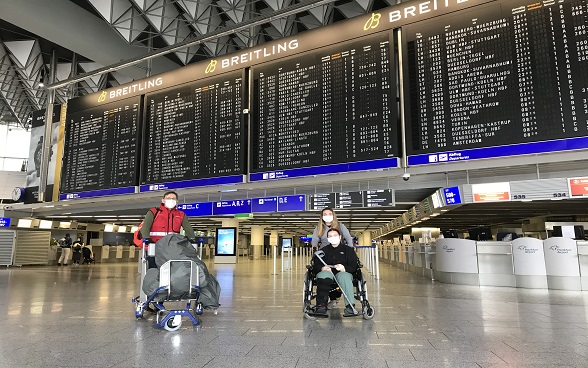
195, 131
333, 105
507, 74
100, 150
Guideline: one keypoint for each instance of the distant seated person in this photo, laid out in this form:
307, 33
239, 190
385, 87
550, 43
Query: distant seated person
344, 263
165, 219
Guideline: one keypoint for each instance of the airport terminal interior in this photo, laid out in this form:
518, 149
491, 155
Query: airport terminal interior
450, 138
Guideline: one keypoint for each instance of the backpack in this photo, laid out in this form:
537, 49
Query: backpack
137, 239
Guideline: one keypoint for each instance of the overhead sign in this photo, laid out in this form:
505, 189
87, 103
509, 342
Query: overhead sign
4, 222
578, 187
349, 199
320, 201
292, 203
231, 207
452, 196
378, 198
264, 205
491, 192
196, 209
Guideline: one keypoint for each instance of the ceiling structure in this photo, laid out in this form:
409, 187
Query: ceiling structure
86, 35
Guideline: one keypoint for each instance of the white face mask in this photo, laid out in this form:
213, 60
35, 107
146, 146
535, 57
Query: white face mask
170, 203
328, 218
335, 240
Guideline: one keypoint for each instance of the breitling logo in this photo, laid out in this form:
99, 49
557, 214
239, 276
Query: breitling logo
373, 22
102, 96
211, 67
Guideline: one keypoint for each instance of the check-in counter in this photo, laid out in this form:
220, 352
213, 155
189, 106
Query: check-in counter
495, 265
423, 259
561, 264
583, 260
456, 261
529, 263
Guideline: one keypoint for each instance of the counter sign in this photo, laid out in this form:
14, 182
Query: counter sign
4, 222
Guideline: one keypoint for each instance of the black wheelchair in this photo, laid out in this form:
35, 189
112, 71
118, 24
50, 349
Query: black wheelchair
309, 293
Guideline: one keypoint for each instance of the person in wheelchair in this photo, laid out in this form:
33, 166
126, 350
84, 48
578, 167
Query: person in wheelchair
341, 263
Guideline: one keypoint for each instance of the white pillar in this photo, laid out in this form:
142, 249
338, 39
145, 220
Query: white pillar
257, 241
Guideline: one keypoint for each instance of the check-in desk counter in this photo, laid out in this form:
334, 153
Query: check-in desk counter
529, 263
495, 265
396, 260
583, 261
456, 261
423, 259
115, 253
562, 264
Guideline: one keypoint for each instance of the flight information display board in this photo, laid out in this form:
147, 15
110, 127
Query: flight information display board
195, 131
329, 106
503, 79
100, 152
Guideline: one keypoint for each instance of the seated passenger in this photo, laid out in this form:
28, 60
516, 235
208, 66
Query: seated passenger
344, 264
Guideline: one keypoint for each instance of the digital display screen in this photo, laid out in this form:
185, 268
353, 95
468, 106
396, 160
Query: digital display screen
336, 104
505, 74
226, 241
100, 149
195, 131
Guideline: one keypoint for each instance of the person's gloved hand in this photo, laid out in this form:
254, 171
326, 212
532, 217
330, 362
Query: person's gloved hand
340, 267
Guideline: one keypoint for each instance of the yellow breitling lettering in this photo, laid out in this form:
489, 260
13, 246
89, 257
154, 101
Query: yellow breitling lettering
373, 22
102, 96
211, 67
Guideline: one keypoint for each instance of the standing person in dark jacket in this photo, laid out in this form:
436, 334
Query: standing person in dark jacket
65, 244
166, 219
344, 263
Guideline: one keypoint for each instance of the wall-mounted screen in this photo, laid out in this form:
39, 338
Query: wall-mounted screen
336, 104
502, 79
195, 131
569, 231
100, 149
226, 241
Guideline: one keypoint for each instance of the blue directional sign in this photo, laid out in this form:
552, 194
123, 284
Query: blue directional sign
260, 205
292, 203
452, 195
231, 207
4, 222
196, 209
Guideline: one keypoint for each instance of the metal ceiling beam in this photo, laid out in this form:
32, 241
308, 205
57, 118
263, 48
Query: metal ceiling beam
66, 24
294, 9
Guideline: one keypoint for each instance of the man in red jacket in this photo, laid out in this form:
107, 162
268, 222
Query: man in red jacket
166, 219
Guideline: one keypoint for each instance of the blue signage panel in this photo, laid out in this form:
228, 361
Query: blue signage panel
97, 193
557, 145
385, 163
4, 222
260, 205
231, 207
196, 209
232, 179
452, 195
292, 203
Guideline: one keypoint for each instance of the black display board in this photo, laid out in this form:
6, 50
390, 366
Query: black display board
101, 147
502, 74
195, 131
336, 104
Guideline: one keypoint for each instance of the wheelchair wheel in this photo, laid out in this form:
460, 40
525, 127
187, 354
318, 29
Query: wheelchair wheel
306, 294
173, 324
368, 312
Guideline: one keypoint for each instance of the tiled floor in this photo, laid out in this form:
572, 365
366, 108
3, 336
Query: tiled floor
83, 317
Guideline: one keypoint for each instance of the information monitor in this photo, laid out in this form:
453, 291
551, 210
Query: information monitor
511, 74
195, 131
100, 150
336, 104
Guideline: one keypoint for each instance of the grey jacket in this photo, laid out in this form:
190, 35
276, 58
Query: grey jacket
323, 239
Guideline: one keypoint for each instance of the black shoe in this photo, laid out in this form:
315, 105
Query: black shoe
320, 309
149, 309
59, 264
348, 312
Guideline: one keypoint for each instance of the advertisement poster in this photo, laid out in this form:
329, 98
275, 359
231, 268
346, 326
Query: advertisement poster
226, 241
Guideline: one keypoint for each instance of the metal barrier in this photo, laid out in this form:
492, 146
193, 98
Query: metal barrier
369, 257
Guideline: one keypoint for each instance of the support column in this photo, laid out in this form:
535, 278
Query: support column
257, 241
273, 241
